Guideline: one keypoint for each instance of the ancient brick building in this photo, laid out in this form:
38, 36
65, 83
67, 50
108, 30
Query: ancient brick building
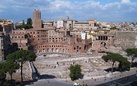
49, 39
63, 42
101, 40
68, 37
18, 36
37, 23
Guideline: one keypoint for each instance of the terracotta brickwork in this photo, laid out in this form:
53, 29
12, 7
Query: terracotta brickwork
60, 40
18, 36
41, 41
37, 23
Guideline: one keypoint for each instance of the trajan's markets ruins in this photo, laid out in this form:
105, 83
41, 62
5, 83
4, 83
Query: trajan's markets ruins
71, 37
64, 42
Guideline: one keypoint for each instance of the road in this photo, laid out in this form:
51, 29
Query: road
125, 81
50, 82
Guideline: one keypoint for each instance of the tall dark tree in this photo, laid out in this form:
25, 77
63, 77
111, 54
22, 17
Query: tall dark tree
124, 64
23, 56
132, 52
75, 72
2, 73
29, 21
26, 26
11, 65
23, 23
113, 57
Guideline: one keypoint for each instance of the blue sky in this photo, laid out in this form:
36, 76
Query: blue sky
81, 10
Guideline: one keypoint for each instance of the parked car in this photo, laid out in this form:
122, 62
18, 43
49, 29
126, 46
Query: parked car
76, 84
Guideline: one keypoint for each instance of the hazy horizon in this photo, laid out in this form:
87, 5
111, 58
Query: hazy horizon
81, 10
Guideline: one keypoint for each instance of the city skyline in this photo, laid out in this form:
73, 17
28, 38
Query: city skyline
107, 10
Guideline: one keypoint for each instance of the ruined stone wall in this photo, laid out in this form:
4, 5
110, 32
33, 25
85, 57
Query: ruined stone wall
49, 41
126, 39
101, 41
18, 36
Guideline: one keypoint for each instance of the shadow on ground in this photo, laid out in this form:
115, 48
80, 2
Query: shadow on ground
27, 83
134, 64
36, 76
110, 70
46, 76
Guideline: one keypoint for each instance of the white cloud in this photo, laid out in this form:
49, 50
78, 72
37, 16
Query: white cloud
60, 4
92, 9
125, 1
76, 9
111, 5
15, 4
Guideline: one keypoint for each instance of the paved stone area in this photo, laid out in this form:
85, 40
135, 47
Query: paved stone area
59, 66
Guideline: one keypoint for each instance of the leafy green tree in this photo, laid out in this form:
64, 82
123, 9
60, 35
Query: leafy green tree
19, 27
8, 66
11, 66
22, 56
113, 57
132, 52
23, 23
75, 72
114, 28
124, 64
29, 21
7, 83
2, 73
26, 26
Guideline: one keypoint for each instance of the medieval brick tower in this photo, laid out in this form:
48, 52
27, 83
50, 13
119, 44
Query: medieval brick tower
37, 23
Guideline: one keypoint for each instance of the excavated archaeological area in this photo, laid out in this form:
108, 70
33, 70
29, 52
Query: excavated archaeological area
58, 66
